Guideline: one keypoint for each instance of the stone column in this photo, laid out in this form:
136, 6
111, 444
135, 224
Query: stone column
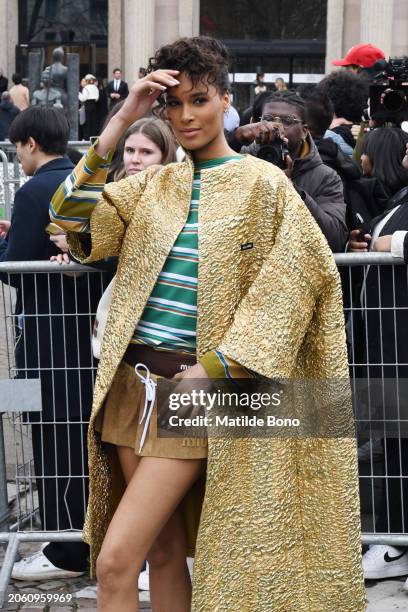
166, 22
34, 71
400, 28
334, 35
376, 23
189, 17
138, 36
176, 18
115, 36
8, 36
72, 94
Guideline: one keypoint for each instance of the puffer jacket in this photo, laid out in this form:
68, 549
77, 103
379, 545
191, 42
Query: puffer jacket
321, 189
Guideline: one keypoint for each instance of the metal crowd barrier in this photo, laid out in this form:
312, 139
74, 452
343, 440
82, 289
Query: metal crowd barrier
13, 176
47, 373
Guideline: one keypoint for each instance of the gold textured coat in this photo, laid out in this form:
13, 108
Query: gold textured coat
280, 527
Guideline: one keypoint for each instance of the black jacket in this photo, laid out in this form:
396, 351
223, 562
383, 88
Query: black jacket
53, 348
362, 195
381, 331
123, 91
7, 114
322, 191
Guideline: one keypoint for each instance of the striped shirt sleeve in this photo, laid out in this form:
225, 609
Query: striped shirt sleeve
218, 365
75, 199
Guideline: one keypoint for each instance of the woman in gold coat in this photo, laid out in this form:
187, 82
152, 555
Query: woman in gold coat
279, 528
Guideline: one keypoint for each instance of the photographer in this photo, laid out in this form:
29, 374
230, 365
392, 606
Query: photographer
284, 121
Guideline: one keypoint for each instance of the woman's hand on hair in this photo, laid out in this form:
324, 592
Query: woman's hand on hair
144, 92
138, 103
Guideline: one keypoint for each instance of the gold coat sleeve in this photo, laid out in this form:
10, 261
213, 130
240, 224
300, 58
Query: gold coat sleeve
110, 219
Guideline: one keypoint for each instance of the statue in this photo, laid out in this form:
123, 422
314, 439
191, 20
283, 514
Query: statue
48, 96
58, 74
60, 85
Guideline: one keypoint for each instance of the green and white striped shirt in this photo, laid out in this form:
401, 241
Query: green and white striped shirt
169, 319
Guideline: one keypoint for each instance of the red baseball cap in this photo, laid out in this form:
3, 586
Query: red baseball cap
363, 55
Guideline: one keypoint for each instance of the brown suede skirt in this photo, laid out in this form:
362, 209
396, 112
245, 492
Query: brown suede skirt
119, 420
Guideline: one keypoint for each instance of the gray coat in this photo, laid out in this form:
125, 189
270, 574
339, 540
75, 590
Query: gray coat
321, 189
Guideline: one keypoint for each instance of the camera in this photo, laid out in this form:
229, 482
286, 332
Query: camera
274, 153
389, 91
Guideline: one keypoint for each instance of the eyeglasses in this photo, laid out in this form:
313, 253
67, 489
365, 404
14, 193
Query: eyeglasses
286, 120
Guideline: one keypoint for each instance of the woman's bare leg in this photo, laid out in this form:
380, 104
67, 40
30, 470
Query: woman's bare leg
151, 498
170, 583
128, 462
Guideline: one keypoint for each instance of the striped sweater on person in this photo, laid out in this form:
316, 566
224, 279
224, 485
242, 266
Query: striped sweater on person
169, 319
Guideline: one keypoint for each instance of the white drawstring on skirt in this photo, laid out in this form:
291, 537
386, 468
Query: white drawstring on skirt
150, 398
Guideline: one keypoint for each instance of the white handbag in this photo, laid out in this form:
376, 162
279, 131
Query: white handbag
100, 319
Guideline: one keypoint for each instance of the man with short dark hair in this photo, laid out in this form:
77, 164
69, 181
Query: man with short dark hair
117, 89
51, 347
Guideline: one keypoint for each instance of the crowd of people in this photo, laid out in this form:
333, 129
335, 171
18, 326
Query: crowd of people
94, 101
215, 232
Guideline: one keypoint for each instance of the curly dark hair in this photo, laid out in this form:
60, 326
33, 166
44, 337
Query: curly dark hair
349, 93
288, 97
199, 57
319, 109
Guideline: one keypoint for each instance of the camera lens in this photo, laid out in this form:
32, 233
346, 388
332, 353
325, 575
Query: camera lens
393, 100
271, 154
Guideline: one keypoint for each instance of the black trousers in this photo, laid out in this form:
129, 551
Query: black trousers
90, 126
61, 468
395, 494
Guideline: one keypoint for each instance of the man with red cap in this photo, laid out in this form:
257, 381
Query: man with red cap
360, 56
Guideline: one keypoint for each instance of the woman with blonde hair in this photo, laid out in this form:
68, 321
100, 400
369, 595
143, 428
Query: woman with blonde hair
148, 141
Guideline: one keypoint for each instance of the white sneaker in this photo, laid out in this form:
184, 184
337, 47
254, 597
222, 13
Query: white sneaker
143, 582
38, 567
385, 562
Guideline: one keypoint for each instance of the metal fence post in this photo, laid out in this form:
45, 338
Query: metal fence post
6, 182
4, 507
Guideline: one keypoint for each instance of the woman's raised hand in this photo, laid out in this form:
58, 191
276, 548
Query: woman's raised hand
139, 101
144, 92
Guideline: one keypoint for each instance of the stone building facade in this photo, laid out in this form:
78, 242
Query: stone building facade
137, 27
382, 23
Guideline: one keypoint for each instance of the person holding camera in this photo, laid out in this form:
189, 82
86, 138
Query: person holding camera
282, 137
